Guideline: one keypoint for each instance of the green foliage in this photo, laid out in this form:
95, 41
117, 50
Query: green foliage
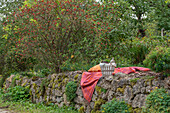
44, 84
115, 106
39, 73
7, 6
23, 106
103, 90
18, 61
134, 80
81, 110
158, 59
1, 91
71, 88
134, 50
88, 34
91, 31
157, 101
13, 83
2, 79
138, 49
162, 13
148, 77
123, 61
16, 93
45, 71
69, 65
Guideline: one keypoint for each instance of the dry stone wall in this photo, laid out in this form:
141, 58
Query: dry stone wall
132, 88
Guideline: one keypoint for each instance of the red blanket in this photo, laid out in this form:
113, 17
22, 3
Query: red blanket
88, 83
128, 70
90, 79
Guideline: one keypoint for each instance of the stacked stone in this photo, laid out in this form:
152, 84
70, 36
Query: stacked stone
132, 88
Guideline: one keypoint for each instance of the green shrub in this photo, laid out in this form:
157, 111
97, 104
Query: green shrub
16, 77
158, 59
115, 106
28, 74
157, 101
1, 91
80, 64
45, 71
71, 88
18, 62
136, 49
16, 93
39, 73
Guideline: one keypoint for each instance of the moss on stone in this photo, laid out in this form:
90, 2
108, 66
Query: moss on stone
38, 95
34, 78
76, 77
59, 85
137, 110
28, 87
48, 103
81, 110
53, 86
130, 108
51, 81
24, 84
121, 89
13, 83
63, 76
59, 80
44, 83
98, 89
34, 85
45, 98
98, 104
65, 81
30, 92
134, 80
148, 77
150, 82
56, 81
36, 91
98, 111
93, 111
103, 90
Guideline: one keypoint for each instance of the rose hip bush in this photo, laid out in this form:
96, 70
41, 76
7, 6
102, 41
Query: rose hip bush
54, 31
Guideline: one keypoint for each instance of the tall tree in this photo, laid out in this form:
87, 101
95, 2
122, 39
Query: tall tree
9, 6
162, 13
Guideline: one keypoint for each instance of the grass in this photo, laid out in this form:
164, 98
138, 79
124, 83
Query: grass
28, 107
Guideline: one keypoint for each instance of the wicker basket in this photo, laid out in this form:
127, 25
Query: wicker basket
107, 68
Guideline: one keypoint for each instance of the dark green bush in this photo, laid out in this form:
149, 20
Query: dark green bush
158, 59
1, 91
45, 71
77, 65
18, 62
71, 88
16, 93
115, 106
157, 101
136, 49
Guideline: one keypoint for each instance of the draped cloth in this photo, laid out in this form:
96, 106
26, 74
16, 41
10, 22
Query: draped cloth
128, 70
88, 83
90, 79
